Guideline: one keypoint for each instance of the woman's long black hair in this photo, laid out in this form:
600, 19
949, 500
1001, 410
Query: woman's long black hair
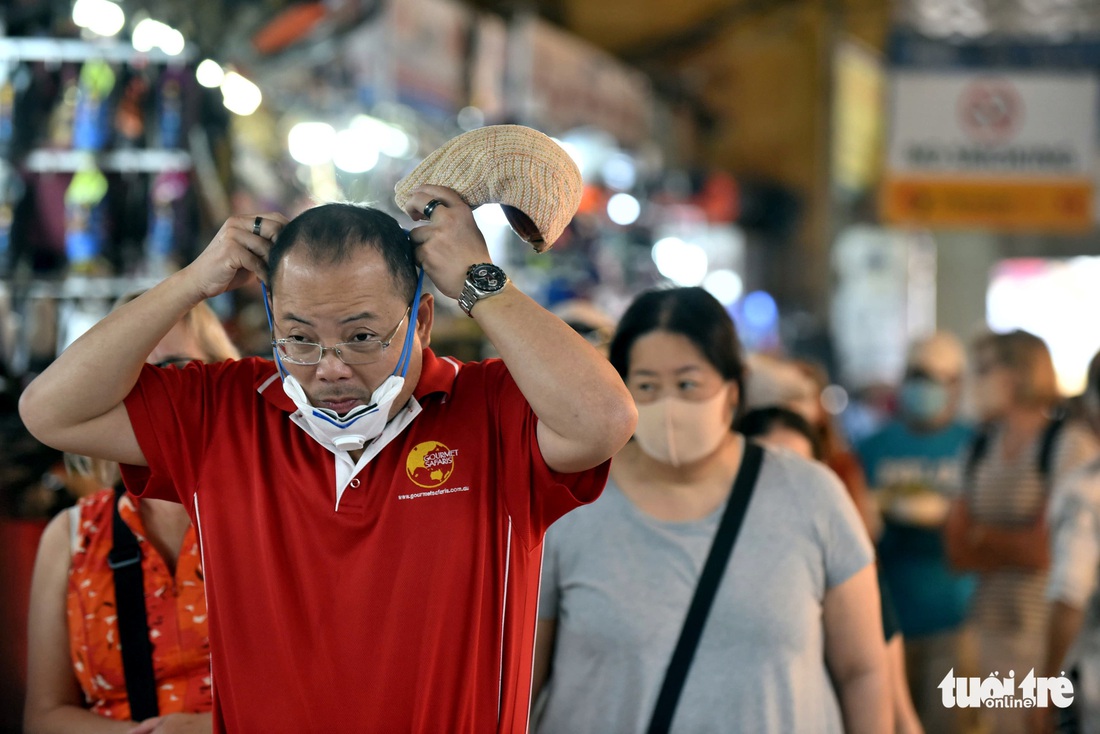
692, 313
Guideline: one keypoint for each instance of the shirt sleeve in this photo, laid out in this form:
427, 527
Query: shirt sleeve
1075, 538
1074, 448
845, 545
171, 411
140, 482
535, 494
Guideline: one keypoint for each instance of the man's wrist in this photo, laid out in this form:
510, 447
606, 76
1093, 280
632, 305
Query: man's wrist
186, 288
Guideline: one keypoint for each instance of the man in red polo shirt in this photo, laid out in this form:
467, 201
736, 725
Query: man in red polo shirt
370, 515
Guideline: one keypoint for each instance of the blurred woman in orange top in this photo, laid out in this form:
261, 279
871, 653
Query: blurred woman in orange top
75, 681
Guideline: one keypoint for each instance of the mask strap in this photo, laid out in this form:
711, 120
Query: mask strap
271, 327
406, 351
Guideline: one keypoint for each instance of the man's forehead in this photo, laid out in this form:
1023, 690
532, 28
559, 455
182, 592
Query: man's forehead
307, 259
300, 274
339, 300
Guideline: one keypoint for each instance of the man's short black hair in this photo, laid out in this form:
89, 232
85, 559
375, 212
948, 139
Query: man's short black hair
331, 233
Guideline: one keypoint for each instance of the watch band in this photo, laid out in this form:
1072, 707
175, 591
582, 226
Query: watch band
467, 298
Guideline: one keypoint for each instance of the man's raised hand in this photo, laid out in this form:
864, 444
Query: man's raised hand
236, 254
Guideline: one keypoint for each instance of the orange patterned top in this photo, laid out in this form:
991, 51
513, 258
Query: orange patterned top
176, 610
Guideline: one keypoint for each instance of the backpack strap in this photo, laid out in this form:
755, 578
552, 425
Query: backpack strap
133, 622
979, 447
1046, 448
1048, 440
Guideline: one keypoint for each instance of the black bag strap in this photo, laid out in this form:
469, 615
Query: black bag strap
1046, 447
713, 570
133, 622
979, 447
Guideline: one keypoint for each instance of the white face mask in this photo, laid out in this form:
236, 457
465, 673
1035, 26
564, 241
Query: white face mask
352, 431
676, 432
362, 424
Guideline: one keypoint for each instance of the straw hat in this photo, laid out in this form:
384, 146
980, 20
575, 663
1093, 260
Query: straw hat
534, 180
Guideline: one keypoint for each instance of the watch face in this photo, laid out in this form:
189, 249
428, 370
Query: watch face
487, 277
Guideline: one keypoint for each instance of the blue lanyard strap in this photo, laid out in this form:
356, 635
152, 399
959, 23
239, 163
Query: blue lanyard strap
406, 351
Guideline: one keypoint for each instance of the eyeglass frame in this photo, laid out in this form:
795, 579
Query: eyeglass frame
385, 344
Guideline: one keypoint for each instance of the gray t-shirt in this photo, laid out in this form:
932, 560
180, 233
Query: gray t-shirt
619, 582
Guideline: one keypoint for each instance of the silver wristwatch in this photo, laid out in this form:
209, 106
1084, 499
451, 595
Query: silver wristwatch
482, 281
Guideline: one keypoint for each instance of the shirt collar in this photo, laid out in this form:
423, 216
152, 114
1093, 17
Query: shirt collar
437, 375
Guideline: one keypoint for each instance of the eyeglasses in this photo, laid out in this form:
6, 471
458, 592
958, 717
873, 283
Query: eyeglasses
365, 351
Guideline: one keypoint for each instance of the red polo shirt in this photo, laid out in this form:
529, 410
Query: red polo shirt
410, 607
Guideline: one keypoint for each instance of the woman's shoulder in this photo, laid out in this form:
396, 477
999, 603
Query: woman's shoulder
793, 473
1080, 487
805, 490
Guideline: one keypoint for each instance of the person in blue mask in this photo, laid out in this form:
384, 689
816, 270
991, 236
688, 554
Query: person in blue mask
914, 466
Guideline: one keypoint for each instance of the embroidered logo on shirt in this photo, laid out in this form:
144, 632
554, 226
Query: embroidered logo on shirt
430, 464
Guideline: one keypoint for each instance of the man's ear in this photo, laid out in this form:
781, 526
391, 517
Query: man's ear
425, 314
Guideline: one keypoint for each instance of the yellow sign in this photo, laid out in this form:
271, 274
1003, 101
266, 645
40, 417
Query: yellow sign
998, 204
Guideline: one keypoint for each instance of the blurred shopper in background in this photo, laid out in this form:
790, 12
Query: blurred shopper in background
794, 639
77, 678
998, 526
837, 455
588, 320
780, 428
835, 452
784, 428
914, 467
1073, 637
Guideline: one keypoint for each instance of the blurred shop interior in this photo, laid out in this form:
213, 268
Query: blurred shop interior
843, 175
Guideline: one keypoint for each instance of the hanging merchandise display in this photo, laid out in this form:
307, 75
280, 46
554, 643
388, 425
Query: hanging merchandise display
63, 116
10, 193
7, 108
169, 188
84, 219
169, 131
130, 115
91, 125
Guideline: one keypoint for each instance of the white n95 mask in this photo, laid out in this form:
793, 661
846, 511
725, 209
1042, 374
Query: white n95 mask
676, 432
353, 430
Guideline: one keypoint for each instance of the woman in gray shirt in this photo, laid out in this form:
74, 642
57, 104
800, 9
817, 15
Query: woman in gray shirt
794, 640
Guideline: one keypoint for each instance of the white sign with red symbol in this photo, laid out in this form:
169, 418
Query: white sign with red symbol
997, 150
990, 110
1023, 124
